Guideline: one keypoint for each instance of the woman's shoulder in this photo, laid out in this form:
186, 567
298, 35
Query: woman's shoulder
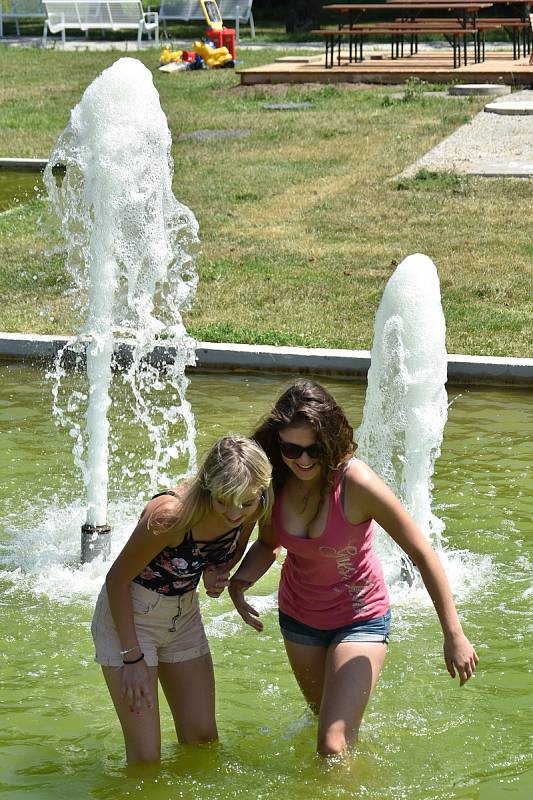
360, 478
163, 511
360, 489
357, 472
168, 498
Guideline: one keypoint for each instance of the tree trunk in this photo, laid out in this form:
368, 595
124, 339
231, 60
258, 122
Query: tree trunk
303, 15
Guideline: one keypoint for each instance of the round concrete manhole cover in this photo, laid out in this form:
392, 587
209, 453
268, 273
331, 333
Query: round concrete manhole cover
510, 108
480, 89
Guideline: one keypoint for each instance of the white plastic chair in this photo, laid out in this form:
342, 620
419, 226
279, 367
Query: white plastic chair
19, 9
85, 15
233, 10
239, 11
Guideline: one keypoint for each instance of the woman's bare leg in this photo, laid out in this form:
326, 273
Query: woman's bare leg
351, 672
189, 687
142, 732
308, 662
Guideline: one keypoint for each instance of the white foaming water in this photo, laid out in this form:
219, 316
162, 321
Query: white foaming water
406, 404
129, 248
50, 531
229, 623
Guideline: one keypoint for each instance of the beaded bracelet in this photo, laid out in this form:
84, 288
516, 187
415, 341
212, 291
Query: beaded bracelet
136, 660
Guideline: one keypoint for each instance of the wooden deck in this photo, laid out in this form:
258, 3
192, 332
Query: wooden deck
430, 66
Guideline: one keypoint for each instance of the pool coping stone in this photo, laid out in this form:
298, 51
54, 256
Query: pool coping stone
23, 164
211, 356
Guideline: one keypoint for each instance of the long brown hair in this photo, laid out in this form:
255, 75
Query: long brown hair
307, 403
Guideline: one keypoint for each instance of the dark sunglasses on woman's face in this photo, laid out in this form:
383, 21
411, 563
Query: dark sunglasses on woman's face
294, 451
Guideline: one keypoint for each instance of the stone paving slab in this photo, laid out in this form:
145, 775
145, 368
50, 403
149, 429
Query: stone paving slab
510, 108
490, 145
505, 169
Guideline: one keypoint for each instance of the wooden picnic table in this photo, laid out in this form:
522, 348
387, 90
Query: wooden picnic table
410, 10
405, 23
466, 13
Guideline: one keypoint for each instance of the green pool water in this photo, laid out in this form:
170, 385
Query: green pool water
422, 739
18, 187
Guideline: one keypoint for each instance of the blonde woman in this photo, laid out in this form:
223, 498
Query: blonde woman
147, 624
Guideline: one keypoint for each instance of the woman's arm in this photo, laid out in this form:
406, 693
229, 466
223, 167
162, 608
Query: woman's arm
368, 496
216, 579
257, 561
146, 541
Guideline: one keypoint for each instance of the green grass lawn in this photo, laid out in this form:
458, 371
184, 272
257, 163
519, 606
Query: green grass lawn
301, 222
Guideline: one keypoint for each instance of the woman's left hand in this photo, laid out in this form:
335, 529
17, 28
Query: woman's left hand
216, 579
460, 657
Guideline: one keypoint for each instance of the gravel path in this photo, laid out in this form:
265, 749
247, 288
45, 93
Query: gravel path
489, 139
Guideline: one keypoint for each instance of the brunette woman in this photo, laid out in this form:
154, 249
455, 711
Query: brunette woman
333, 602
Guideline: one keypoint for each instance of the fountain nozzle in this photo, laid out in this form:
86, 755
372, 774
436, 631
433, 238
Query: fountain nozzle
95, 542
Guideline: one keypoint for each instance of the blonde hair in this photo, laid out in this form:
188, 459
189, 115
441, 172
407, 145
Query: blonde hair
232, 465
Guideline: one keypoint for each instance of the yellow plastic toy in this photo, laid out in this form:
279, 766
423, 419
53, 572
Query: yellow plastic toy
169, 56
212, 56
212, 14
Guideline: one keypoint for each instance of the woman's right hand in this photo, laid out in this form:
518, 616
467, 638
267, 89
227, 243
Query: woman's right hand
250, 615
136, 686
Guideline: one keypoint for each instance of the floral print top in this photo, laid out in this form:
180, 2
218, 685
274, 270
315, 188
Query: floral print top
177, 570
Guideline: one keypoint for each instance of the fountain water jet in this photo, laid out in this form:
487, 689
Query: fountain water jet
129, 249
406, 404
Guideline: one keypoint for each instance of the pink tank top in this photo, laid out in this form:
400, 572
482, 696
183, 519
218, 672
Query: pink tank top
335, 579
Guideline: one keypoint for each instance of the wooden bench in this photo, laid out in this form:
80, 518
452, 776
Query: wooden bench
85, 15
518, 30
19, 9
456, 35
236, 11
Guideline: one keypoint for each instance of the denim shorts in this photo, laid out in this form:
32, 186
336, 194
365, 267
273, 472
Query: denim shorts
367, 630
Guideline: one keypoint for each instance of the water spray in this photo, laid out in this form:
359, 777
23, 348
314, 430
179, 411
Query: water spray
406, 405
130, 252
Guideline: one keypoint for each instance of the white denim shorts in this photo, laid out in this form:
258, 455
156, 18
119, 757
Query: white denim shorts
169, 629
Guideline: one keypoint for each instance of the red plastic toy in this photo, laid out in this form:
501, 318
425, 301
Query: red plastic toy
223, 38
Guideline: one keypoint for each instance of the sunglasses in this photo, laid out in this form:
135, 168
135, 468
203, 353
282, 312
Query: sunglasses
294, 451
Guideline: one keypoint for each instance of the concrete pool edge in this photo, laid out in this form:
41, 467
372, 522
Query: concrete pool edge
462, 369
23, 164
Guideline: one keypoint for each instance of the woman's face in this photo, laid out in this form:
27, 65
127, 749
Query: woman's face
300, 451
236, 514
